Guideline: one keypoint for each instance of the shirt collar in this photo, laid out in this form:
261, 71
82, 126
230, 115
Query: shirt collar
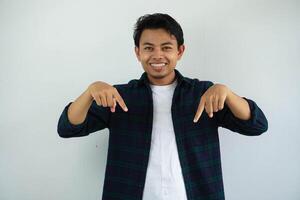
180, 78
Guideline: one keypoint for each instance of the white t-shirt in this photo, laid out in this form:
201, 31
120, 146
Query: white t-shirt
164, 180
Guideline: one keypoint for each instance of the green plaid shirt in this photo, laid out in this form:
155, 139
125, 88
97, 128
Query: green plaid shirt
130, 138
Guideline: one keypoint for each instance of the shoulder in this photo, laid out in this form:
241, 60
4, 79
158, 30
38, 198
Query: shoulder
198, 84
130, 90
127, 86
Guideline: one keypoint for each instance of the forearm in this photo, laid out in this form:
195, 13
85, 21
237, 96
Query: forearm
78, 109
238, 106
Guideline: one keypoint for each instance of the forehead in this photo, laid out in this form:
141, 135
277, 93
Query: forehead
157, 36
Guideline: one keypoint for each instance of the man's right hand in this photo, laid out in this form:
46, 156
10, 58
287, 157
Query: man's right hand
106, 95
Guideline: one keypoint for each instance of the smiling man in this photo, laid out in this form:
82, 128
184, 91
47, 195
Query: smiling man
158, 53
162, 145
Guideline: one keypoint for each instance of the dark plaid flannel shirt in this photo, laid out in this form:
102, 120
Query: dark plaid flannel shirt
130, 138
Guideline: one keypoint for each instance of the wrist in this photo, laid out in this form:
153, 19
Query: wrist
229, 96
88, 94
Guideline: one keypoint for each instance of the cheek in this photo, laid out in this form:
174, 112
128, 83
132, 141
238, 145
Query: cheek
144, 57
172, 57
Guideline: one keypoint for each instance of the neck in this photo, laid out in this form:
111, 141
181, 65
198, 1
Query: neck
169, 79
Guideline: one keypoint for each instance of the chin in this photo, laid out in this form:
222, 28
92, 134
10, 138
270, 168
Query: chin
159, 76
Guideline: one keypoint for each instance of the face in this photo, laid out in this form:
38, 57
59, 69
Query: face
158, 53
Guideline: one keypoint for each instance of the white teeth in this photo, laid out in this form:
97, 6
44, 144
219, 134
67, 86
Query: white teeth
158, 64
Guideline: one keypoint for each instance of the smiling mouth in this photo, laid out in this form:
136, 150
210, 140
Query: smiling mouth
158, 65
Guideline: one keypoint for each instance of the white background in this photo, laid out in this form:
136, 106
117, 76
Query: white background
50, 51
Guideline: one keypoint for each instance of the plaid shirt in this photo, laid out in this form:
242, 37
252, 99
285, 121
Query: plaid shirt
130, 138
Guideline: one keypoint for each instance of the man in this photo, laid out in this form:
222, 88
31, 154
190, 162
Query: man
163, 128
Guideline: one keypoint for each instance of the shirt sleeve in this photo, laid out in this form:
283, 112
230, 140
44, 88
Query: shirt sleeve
97, 119
256, 125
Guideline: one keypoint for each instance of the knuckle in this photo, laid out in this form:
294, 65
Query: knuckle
207, 98
104, 92
101, 94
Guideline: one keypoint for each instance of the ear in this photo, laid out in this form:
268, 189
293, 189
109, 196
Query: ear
137, 53
180, 51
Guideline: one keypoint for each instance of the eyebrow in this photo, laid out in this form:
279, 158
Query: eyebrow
165, 43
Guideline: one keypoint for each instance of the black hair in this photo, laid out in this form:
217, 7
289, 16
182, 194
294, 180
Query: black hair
156, 21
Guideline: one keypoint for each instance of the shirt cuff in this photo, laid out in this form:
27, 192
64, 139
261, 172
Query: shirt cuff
68, 123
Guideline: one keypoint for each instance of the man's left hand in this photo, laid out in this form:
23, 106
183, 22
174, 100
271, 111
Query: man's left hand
212, 100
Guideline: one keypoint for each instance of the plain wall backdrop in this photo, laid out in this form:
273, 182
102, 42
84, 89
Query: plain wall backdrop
50, 51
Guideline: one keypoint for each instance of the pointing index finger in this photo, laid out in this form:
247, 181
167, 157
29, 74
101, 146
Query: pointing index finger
120, 101
199, 111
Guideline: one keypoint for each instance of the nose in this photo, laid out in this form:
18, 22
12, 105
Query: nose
157, 54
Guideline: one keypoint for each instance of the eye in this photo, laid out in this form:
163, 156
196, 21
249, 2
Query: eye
167, 48
148, 48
